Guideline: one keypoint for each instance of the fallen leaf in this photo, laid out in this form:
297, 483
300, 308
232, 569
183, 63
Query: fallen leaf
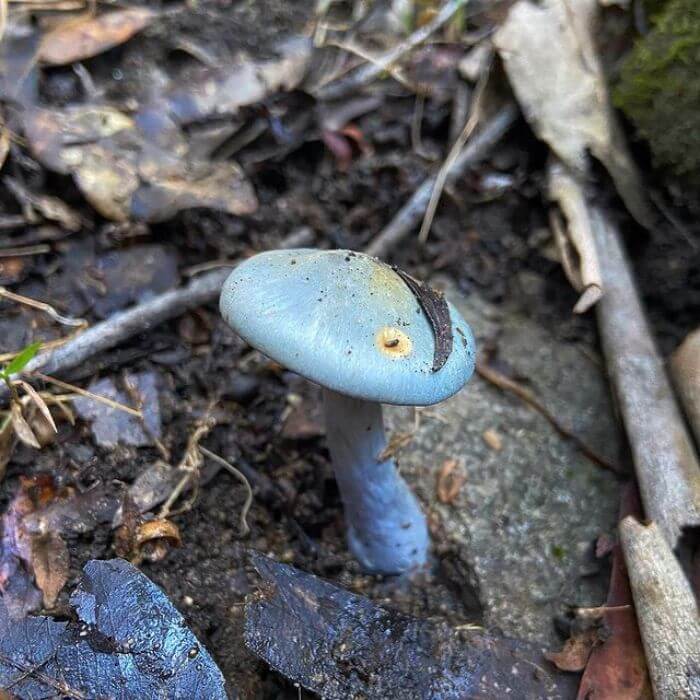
50, 561
131, 169
574, 656
21, 427
574, 235
617, 668
86, 36
449, 481
36, 399
572, 113
125, 639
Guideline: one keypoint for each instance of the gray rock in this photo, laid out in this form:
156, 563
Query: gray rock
110, 426
527, 515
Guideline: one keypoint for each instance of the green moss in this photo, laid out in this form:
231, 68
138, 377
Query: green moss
659, 88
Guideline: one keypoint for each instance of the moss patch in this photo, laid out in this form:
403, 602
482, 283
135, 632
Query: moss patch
659, 88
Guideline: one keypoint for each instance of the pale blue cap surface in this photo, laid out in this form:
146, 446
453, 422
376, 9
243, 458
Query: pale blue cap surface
346, 321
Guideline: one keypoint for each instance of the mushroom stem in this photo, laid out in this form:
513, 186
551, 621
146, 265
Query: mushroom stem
387, 530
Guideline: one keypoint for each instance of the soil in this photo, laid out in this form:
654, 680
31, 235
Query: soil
493, 247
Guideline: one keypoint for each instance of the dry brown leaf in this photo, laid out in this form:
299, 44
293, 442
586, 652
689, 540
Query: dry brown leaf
36, 399
449, 481
577, 649
86, 36
22, 429
574, 235
124, 174
50, 561
550, 58
154, 538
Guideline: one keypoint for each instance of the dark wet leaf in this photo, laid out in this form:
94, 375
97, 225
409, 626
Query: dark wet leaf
435, 308
129, 642
341, 645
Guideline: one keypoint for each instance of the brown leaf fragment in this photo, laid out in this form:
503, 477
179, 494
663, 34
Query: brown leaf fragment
435, 308
449, 482
493, 439
617, 668
50, 561
4, 144
86, 36
574, 655
22, 429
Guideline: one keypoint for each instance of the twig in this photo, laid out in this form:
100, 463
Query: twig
441, 177
367, 73
665, 462
502, 382
44, 678
138, 319
666, 610
241, 477
88, 394
410, 215
43, 306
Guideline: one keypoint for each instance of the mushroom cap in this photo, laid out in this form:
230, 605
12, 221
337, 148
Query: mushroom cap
346, 321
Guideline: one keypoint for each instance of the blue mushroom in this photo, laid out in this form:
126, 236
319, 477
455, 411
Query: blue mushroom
366, 334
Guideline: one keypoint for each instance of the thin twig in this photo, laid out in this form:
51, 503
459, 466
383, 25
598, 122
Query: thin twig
88, 394
502, 382
410, 215
43, 306
241, 477
475, 116
370, 72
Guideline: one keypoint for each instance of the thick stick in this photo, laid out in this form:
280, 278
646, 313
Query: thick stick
665, 462
666, 610
411, 214
139, 319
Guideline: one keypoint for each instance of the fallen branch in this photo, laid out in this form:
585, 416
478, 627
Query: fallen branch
138, 319
411, 214
666, 610
665, 462
502, 382
367, 73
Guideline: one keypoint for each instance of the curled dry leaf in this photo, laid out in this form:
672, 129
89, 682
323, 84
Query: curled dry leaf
574, 235
572, 113
83, 37
39, 402
154, 538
